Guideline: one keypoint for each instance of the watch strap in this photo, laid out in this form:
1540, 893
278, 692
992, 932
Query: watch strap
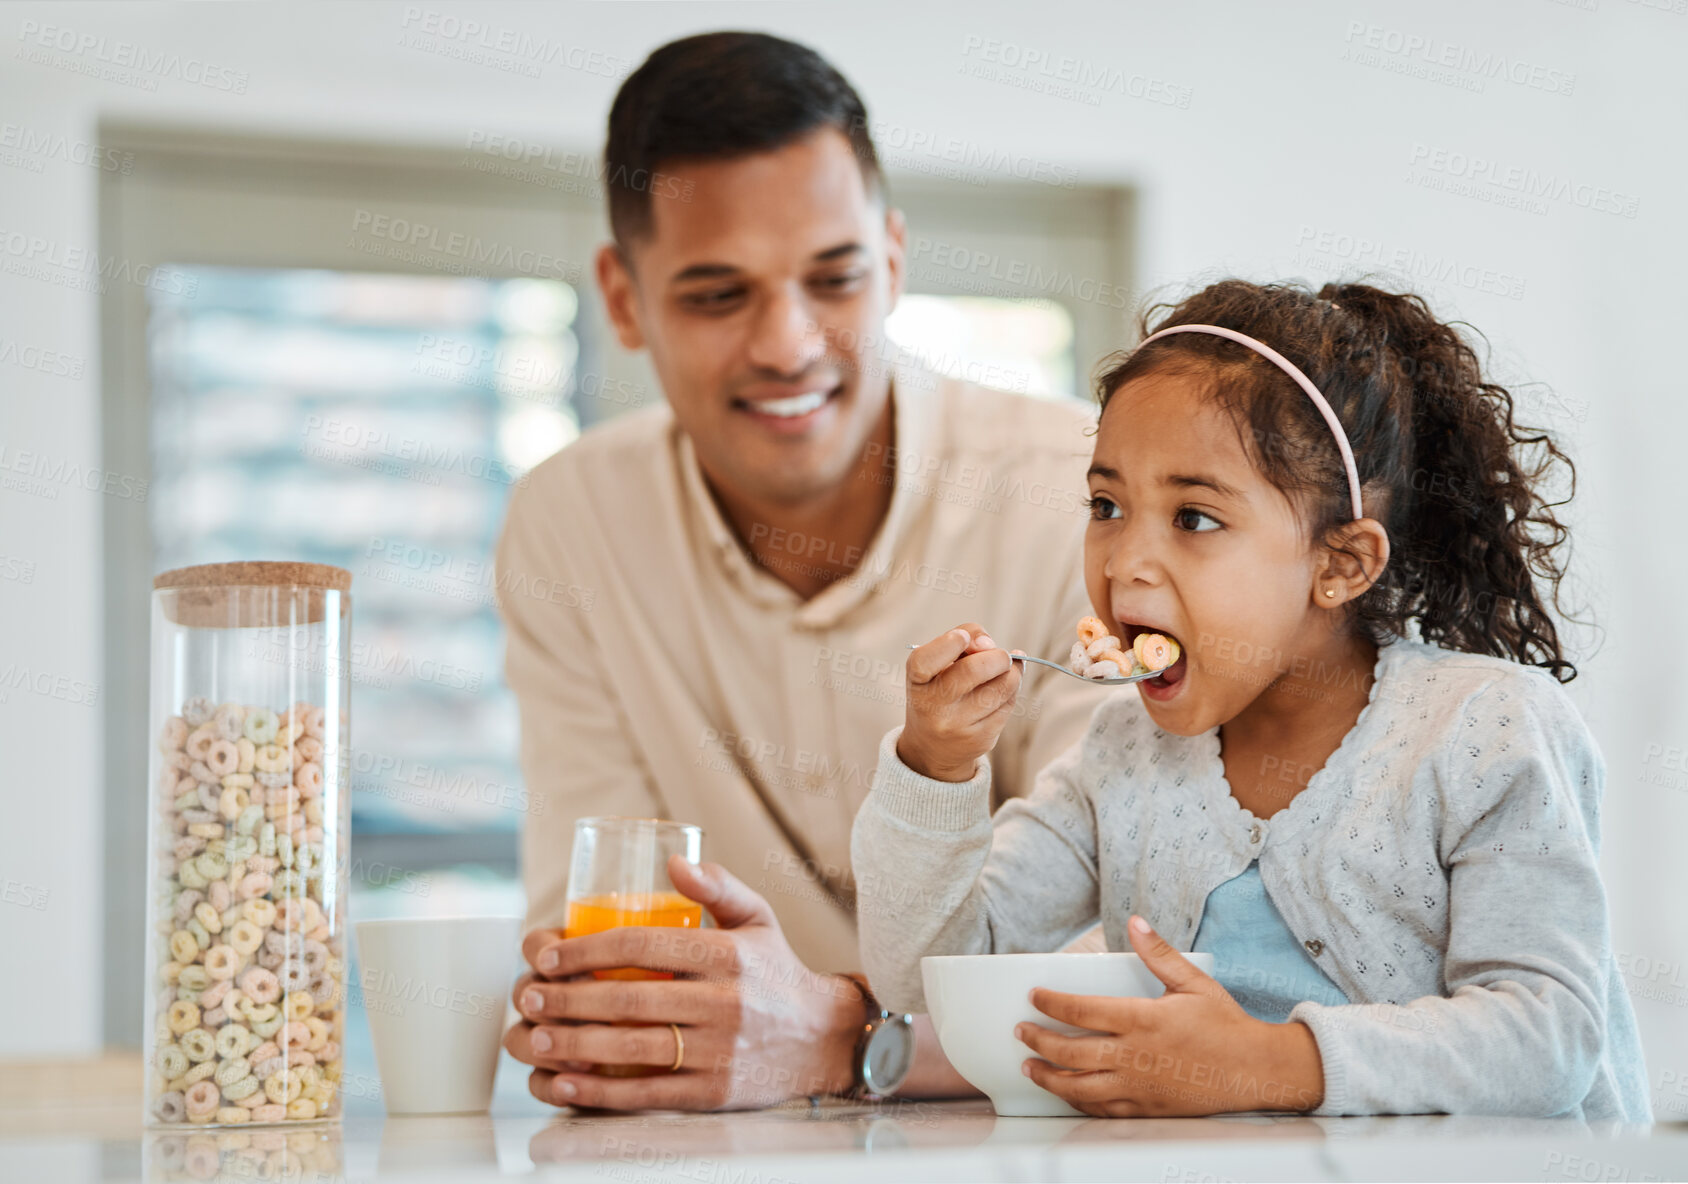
873, 1014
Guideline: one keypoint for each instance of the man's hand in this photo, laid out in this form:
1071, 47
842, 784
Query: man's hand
961, 689
759, 1027
1192, 1051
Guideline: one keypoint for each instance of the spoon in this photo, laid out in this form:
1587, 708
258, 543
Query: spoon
1070, 673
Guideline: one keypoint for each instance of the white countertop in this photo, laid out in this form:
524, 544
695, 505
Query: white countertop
57, 1135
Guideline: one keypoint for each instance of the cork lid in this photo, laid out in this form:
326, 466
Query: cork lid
251, 594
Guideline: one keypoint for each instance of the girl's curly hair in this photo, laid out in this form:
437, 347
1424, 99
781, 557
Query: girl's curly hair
1443, 463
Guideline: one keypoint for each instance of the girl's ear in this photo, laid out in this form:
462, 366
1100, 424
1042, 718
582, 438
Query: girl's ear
1355, 555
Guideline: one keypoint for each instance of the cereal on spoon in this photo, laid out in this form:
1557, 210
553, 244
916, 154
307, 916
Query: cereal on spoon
1099, 654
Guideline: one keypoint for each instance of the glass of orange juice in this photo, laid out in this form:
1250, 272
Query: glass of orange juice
618, 875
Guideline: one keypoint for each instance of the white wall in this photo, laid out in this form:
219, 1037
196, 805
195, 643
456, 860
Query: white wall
1285, 140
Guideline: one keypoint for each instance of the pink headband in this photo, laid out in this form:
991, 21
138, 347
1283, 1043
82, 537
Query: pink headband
1306, 384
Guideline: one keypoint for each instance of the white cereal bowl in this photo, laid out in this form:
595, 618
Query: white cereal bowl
977, 999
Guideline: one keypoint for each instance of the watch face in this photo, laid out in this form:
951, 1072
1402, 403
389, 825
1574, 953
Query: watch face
889, 1055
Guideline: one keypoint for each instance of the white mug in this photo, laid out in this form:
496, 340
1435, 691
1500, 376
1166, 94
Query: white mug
436, 990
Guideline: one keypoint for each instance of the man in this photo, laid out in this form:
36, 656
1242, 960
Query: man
751, 561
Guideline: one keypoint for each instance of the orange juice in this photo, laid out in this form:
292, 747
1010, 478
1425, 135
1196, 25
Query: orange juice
594, 914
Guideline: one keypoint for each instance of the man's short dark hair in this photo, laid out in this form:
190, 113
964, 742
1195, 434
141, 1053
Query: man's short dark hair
717, 96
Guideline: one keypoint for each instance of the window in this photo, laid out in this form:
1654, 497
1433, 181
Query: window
1016, 345
377, 422
1022, 287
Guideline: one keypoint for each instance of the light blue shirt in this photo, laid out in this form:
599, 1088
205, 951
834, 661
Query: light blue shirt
1255, 956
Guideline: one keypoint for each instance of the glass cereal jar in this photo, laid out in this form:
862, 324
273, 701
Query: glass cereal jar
247, 844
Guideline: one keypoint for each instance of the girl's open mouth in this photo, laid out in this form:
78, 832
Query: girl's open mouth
1165, 685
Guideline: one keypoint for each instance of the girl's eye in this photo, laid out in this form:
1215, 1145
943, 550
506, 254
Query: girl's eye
1185, 517
1101, 508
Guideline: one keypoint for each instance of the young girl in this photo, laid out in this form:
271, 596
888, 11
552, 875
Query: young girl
1361, 785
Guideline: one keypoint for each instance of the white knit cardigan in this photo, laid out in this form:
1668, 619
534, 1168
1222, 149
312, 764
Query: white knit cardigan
1441, 869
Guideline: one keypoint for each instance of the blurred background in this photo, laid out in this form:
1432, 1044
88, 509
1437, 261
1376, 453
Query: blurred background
313, 281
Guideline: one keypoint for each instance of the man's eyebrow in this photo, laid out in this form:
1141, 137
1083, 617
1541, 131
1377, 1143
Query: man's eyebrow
838, 252
703, 271
715, 271
1180, 480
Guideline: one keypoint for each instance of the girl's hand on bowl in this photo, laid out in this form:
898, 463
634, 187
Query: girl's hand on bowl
961, 688
1192, 1051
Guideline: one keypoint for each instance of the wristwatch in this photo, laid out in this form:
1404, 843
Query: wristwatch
884, 1050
